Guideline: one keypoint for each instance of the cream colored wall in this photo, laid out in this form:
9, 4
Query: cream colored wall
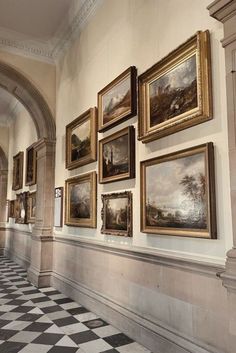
4, 139
22, 134
41, 74
140, 32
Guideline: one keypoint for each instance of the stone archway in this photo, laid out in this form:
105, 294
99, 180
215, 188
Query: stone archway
21, 88
3, 186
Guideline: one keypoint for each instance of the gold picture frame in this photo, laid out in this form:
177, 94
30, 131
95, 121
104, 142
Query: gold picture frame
117, 218
31, 166
176, 92
31, 207
81, 140
117, 156
118, 100
81, 201
178, 193
18, 165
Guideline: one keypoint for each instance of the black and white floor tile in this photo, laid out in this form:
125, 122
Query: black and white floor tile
45, 321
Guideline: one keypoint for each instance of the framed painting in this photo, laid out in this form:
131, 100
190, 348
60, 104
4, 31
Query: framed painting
117, 156
81, 201
11, 208
18, 162
117, 214
81, 140
176, 93
58, 206
30, 172
31, 207
178, 193
118, 100
21, 208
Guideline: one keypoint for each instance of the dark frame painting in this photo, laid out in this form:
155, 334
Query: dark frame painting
81, 201
18, 165
31, 207
178, 193
11, 208
31, 163
118, 100
117, 214
21, 208
117, 156
81, 140
176, 92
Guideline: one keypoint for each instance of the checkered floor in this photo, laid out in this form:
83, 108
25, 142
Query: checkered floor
45, 321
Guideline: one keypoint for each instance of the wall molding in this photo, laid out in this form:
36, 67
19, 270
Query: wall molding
154, 335
146, 255
19, 259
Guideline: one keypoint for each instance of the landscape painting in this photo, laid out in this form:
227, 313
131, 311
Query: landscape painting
81, 201
118, 99
174, 93
81, 136
176, 193
116, 159
117, 217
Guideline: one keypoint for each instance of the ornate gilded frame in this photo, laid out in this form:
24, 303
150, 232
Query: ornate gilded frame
18, 164
105, 201
90, 222
31, 204
197, 46
31, 166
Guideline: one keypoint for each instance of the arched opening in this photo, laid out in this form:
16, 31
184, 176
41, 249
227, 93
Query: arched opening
24, 91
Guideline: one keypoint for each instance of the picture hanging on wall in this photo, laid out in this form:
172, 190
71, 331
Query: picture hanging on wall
81, 140
175, 93
117, 156
18, 162
21, 208
118, 100
178, 193
31, 163
117, 214
11, 208
58, 206
31, 207
81, 201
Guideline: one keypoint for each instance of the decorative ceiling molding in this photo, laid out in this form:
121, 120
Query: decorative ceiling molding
49, 51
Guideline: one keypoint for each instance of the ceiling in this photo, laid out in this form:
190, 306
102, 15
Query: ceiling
8, 104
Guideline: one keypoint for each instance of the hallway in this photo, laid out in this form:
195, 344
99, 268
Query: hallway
43, 321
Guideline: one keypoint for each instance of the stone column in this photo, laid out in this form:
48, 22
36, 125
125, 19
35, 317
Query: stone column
40, 269
225, 12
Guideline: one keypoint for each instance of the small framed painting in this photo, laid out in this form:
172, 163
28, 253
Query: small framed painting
18, 163
11, 208
118, 100
21, 208
117, 214
175, 93
81, 201
31, 207
58, 206
117, 156
30, 172
81, 140
178, 193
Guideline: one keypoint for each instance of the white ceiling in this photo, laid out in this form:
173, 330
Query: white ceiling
35, 19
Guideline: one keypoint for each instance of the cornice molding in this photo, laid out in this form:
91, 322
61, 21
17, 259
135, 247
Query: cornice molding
222, 10
50, 51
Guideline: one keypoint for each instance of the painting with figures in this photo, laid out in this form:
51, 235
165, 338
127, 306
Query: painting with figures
177, 193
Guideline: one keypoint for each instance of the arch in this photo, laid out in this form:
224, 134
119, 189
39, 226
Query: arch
3, 160
21, 88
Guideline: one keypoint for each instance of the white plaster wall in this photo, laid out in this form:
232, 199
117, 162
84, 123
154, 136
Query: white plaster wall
140, 32
22, 134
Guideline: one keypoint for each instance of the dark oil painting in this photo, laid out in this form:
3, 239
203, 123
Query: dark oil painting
80, 200
174, 93
116, 214
80, 141
116, 156
176, 193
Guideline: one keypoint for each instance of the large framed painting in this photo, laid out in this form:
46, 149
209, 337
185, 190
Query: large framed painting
118, 100
18, 164
81, 140
175, 93
31, 207
117, 214
117, 156
30, 171
21, 208
81, 201
178, 193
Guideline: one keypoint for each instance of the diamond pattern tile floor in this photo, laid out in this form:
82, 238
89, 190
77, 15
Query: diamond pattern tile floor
45, 321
